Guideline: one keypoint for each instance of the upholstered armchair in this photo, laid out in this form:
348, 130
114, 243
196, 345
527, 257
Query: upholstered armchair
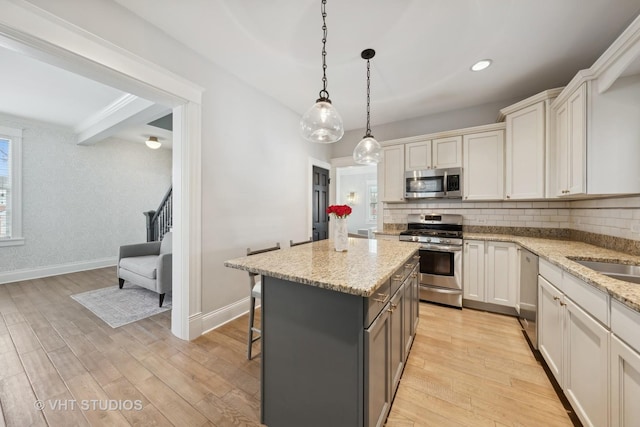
147, 265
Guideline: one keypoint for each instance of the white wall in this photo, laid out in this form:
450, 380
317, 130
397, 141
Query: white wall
355, 179
254, 163
80, 203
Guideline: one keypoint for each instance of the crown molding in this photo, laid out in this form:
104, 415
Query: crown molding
445, 134
542, 96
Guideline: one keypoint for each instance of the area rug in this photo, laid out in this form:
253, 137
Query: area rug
119, 307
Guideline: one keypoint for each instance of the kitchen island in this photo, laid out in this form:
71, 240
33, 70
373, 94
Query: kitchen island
336, 330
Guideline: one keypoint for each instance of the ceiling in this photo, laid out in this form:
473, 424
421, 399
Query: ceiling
38, 91
424, 48
424, 51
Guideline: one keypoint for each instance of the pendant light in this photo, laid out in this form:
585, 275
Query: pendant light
367, 151
322, 123
153, 143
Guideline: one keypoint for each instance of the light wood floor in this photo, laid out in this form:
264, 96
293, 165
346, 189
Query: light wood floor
466, 368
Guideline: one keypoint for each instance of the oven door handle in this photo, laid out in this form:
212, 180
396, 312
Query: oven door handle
440, 248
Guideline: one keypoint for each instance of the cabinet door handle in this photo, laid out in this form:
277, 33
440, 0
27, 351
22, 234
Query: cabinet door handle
408, 266
508, 196
393, 307
416, 257
414, 275
383, 299
562, 304
397, 277
556, 298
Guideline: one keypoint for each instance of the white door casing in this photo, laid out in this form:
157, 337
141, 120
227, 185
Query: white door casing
29, 30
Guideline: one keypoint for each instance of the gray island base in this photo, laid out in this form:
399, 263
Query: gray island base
336, 330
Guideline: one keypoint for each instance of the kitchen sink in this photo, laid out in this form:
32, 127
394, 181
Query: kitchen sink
628, 273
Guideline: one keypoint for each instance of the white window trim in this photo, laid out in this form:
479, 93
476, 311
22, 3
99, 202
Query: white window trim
15, 135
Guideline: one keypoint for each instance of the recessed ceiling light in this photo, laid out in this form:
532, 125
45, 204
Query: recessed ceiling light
481, 65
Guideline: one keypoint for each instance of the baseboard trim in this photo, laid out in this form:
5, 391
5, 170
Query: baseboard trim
215, 319
55, 270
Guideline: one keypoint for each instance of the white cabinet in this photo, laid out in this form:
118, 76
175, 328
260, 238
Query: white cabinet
473, 270
432, 154
587, 366
551, 326
574, 344
484, 166
625, 384
501, 270
391, 174
625, 366
571, 139
530, 154
525, 153
447, 152
418, 155
490, 272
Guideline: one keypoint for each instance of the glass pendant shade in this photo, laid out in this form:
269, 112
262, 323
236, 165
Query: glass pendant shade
367, 151
153, 143
322, 123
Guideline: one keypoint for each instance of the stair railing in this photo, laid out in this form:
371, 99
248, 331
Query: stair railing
160, 221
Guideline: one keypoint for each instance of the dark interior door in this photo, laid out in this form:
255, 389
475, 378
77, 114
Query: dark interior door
320, 190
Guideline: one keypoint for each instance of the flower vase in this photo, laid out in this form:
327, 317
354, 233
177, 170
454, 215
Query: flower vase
340, 235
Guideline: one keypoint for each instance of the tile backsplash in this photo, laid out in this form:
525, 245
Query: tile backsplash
618, 217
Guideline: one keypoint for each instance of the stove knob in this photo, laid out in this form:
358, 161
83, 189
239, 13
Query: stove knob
446, 241
428, 239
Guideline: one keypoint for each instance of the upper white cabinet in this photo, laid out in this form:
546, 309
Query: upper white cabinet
447, 152
598, 128
483, 165
571, 141
529, 159
391, 174
433, 154
418, 155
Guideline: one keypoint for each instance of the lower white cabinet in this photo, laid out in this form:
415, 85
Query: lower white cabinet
490, 272
473, 270
625, 384
551, 327
587, 366
576, 348
502, 273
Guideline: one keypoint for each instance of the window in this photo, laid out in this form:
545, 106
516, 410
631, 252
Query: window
10, 186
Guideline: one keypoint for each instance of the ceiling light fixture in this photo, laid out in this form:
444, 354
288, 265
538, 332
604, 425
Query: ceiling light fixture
153, 143
322, 123
481, 65
367, 151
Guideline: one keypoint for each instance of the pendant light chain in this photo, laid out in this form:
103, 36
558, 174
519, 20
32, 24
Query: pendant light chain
324, 94
368, 99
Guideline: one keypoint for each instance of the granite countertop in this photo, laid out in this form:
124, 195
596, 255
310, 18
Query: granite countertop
359, 271
560, 252
389, 232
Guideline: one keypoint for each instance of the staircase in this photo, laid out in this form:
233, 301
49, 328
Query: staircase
160, 221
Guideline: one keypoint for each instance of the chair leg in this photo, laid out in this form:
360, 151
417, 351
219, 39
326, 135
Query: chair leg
252, 310
161, 299
120, 282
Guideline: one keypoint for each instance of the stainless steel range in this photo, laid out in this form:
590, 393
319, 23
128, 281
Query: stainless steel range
440, 236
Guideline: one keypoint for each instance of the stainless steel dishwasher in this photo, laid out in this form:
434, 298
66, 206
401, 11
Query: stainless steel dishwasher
528, 304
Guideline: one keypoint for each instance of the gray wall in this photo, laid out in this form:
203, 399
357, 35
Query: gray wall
80, 203
467, 117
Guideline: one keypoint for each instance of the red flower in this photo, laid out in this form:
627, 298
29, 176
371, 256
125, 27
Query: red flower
340, 211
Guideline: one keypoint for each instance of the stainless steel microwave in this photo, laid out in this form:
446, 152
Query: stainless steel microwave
434, 183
